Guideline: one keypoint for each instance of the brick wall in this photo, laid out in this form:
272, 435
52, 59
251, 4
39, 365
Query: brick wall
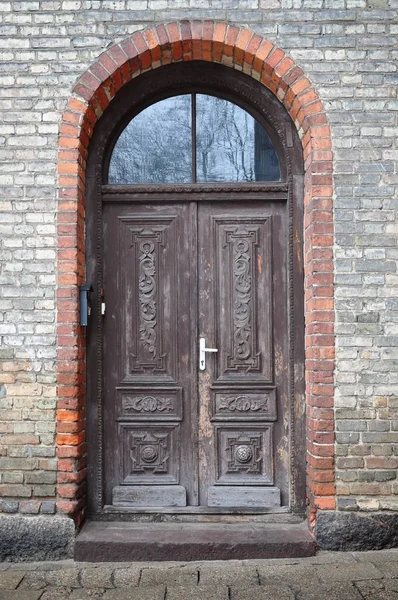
348, 50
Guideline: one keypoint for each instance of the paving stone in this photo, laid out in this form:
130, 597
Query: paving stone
368, 587
20, 595
334, 591
126, 577
214, 592
380, 589
351, 572
87, 594
389, 584
320, 558
389, 569
239, 575
63, 578
56, 593
146, 593
156, 592
288, 574
9, 580
28, 566
4, 566
121, 594
169, 576
270, 592
328, 558
376, 556
382, 595
34, 580
97, 577
48, 565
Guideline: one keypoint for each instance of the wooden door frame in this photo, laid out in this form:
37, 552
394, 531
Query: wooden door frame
153, 86
239, 49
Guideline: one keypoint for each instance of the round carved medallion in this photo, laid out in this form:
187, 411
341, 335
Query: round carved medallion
149, 454
243, 454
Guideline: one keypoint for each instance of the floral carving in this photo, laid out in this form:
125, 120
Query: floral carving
148, 352
243, 403
147, 404
243, 355
147, 296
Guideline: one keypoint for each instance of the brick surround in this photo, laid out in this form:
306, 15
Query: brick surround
244, 50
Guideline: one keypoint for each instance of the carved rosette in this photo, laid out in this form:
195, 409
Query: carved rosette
243, 355
244, 454
150, 452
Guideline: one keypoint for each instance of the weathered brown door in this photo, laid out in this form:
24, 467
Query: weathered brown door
242, 391
180, 432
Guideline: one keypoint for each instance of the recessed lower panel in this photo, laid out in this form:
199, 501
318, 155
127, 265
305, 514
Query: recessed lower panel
149, 495
244, 496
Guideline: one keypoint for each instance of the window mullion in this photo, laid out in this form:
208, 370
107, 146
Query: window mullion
193, 130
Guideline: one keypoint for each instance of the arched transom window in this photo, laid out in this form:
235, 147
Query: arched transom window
193, 138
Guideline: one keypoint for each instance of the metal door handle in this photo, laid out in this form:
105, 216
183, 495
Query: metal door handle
202, 353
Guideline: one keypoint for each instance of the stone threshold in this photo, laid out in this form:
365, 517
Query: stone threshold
100, 541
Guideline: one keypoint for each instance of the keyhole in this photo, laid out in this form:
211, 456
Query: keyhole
202, 362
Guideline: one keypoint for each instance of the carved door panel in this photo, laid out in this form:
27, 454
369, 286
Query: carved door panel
243, 394
149, 333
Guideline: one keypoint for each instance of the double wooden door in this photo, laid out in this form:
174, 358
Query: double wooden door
183, 428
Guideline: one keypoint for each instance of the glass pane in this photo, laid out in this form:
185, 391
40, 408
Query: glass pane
231, 145
156, 146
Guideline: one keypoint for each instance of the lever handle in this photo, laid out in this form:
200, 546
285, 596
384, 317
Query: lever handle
202, 353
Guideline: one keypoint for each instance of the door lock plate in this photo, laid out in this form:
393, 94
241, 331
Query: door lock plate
202, 353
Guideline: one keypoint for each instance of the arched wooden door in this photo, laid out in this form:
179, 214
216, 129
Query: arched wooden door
195, 345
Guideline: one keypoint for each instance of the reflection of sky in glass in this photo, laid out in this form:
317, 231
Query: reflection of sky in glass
156, 146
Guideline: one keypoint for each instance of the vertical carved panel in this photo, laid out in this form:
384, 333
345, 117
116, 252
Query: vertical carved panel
148, 356
243, 292
148, 296
244, 354
148, 283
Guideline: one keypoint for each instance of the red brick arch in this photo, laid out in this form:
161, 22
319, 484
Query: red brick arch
246, 51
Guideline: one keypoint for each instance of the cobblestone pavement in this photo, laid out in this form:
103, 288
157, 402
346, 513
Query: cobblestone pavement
329, 575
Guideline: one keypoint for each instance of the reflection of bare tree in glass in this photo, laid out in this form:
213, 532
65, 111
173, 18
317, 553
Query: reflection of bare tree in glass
239, 138
225, 141
156, 146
